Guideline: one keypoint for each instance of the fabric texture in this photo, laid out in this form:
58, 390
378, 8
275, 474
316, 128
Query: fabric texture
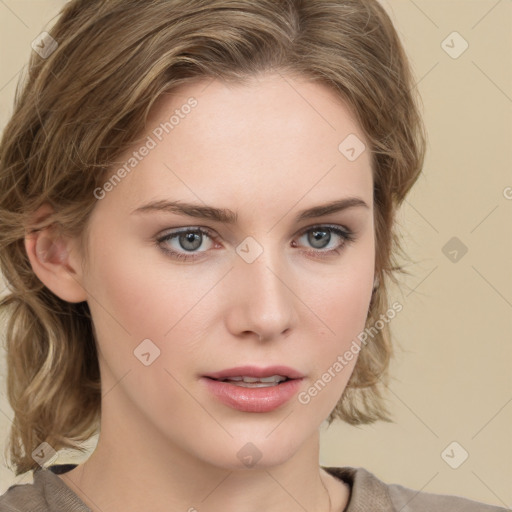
48, 493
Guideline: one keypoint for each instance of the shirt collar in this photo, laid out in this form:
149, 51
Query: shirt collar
367, 491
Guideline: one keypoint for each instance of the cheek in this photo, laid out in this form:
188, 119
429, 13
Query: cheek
341, 302
133, 303
125, 299
344, 313
344, 304
139, 295
135, 291
342, 298
126, 296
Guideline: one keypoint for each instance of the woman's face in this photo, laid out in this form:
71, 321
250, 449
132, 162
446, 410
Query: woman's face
265, 283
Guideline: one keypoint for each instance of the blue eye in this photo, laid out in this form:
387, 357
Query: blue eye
189, 240
320, 237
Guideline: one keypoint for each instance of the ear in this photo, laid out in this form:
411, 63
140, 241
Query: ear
55, 259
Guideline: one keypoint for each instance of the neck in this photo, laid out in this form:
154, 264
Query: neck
136, 467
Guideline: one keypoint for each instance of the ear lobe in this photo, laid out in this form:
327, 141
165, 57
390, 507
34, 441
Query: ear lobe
50, 256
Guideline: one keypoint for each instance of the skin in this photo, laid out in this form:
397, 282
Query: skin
266, 150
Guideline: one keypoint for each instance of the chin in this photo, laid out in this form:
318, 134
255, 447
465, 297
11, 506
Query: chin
258, 450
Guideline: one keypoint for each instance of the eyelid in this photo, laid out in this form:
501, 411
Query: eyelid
187, 229
334, 227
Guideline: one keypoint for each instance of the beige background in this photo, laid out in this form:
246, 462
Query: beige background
452, 377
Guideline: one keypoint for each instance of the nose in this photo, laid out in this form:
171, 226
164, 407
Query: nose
261, 302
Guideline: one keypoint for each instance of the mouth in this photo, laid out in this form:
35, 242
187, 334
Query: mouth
252, 389
254, 382
254, 372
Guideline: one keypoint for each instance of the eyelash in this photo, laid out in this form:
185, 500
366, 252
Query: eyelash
345, 234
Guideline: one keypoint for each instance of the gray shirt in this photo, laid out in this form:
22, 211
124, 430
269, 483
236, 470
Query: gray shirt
48, 493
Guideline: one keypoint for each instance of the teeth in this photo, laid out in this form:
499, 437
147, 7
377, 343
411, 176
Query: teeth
255, 384
274, 379
250, 379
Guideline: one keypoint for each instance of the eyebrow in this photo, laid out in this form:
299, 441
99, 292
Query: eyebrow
227, 216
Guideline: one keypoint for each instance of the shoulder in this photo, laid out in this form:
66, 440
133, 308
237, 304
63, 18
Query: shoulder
406, 500
369, 491
23, 497
47, 493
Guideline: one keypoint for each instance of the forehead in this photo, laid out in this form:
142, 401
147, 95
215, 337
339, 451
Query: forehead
272, 138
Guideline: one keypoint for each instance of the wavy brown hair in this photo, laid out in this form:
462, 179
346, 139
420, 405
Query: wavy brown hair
86, 103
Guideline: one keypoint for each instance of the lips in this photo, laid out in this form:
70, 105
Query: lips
253, 371
252, 389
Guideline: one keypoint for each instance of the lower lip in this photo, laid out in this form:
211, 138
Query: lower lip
253, 399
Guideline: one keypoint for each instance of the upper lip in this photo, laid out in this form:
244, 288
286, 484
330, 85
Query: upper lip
254, 371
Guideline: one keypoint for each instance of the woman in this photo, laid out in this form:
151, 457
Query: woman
197, 228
